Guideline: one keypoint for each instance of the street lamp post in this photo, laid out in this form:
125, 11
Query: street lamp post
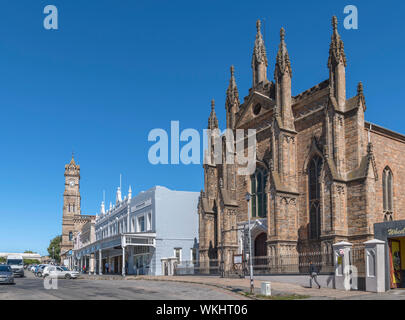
252, 288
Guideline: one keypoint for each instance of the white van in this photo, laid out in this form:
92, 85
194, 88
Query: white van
16, 262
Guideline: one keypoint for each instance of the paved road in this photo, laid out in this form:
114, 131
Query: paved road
32, 288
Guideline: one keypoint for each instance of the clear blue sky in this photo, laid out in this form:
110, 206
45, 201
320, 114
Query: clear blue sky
117, 69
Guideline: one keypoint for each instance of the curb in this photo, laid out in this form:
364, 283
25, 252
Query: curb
200, 283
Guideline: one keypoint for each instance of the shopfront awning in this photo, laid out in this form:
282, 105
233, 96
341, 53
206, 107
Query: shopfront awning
140, 239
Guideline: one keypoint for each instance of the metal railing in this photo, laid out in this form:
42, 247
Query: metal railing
298, 263
358, 260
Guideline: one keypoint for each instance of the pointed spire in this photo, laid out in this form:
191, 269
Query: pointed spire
232, 94
283, 59
213, 120
232, 100
360, 89
336, 50
118, 196
102, 211
110, 206
129, 193
259, 50
259, 58
360, 94
73, 159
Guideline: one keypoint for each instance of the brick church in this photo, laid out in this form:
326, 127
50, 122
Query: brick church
323, 174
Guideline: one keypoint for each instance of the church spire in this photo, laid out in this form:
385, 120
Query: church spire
213, 120
360, 95
336, 50
259, 59
72, 161
337, 63
283, 63
282, 75
232, 100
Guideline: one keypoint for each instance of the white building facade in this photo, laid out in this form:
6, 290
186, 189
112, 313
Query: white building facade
146, 234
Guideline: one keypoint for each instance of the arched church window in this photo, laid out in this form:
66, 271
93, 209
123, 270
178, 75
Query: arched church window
314, 173
70, 236
258, 191
388, 202
215, 226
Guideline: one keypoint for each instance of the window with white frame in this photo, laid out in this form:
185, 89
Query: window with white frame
149, 222
141, 224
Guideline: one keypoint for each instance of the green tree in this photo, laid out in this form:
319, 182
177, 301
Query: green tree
54, 248
29, 251
31, 261
2, 260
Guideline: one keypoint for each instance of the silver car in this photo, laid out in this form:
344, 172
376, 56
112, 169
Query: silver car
59, 272
6, 274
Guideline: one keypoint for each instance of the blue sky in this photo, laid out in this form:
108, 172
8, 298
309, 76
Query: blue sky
117, 69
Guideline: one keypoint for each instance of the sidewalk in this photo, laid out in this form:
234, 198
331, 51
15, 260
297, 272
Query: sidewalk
243, 285
87, 276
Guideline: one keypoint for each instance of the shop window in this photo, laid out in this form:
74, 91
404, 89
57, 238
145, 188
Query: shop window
388, 202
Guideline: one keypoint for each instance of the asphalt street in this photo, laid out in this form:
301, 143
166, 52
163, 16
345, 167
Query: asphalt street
31, 288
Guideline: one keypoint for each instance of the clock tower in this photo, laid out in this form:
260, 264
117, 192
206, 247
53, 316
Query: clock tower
71, 204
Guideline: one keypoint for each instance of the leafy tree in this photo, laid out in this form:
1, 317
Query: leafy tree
2, 260
28, 251
54, 248
31, 261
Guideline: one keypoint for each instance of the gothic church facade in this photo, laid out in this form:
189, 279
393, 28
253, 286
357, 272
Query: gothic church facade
323, 174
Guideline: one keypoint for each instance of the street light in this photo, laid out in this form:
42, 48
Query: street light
248, 197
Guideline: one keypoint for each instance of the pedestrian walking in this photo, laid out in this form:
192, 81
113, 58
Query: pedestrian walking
313, 271
106, 267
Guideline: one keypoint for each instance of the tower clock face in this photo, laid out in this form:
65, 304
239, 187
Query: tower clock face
71, 183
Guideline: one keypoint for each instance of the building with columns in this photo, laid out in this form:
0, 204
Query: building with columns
323, 174
145, 234
72, 219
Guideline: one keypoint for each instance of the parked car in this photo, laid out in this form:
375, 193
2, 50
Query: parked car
59, 272
6, 274
39, 270
16, 262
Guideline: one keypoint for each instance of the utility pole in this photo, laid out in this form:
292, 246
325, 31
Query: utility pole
252, 288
